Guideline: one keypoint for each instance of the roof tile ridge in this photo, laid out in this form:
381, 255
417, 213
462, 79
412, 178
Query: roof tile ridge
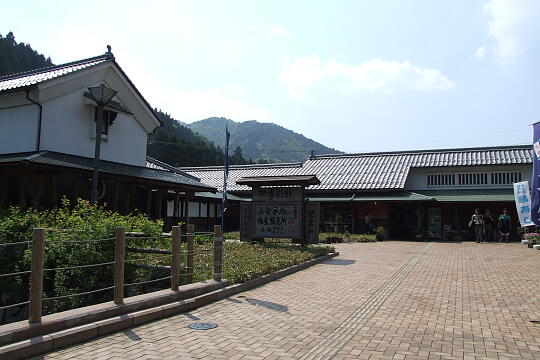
170, 168
244, 166
424, 151
53, 67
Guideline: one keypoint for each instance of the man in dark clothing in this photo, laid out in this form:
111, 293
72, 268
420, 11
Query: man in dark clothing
477, 222
489, 222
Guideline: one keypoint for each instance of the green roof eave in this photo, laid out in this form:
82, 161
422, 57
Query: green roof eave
219, 195
391, 196
329, 198
477, 195
370, 196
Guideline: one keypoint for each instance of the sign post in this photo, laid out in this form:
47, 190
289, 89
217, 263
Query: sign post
279, 209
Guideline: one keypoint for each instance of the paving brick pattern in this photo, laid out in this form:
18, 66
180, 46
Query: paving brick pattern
455, 301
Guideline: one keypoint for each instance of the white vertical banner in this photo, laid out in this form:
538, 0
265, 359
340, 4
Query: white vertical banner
523, 203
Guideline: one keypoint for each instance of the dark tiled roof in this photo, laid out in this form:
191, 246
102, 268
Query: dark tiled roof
78, 162
213, 175
160, 165
369, 171
28, 79
288, 180
34, 77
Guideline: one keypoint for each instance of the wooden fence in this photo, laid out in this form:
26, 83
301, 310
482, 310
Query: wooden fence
35, 301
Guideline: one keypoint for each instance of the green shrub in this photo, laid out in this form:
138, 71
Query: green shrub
232, 235
362, 238
346, 237
242, 261
68, 224
379, 232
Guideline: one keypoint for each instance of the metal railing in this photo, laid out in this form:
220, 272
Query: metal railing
36, 299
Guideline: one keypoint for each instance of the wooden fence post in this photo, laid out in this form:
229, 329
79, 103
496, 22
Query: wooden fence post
190, 252
175, 261
119, 258
36, 276
218, 252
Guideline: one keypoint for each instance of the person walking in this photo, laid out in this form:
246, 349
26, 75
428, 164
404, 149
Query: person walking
489, 222
477, 222
505, 224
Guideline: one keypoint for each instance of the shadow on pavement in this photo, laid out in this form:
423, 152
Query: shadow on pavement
339, 262
130, 334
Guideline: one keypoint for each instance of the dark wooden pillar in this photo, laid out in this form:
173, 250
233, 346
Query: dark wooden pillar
115, 195
148, 200
189, 196
36, 189
161, 194
208, 215
75, 194
129, 197
3, 191
353, 212
22, 191
54, 190
176, 203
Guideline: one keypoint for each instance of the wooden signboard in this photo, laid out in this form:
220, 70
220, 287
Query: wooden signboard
277, 194
245, 221
311, 226
277, 220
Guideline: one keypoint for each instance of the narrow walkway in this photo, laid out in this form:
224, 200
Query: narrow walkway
389, 300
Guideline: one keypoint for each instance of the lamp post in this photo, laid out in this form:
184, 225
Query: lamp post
101, 96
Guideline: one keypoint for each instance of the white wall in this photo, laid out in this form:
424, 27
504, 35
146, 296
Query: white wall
417, 178
68, 126
18, 128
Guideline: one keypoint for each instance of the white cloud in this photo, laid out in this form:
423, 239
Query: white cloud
514, 25
228, 101
269, 32
480, 53
278, 30
305, 73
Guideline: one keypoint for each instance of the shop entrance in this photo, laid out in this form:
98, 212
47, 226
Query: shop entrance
405, 220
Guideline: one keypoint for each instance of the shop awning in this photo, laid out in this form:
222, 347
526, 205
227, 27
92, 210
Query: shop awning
329, 198
391, 196
480, 195
370, 196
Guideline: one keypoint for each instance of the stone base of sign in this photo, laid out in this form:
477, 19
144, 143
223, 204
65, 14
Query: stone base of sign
73, 335
524, 242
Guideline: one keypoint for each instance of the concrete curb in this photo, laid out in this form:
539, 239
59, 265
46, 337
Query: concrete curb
54, 341
22, 330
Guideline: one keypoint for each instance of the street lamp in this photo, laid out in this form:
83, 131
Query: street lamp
101, 96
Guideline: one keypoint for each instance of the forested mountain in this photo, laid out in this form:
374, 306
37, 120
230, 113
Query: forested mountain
18, 57
178, 145
266, 141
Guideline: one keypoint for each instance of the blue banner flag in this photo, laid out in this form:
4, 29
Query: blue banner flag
225, 175
535, 202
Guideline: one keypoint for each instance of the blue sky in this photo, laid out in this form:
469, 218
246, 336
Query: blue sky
355, 75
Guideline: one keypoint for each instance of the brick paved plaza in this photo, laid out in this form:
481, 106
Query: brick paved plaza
387, 300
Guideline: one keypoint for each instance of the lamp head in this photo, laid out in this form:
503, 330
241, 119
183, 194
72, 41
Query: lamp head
101, 94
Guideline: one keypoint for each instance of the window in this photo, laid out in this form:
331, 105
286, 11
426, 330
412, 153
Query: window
108, 119
193, 209
203, 209
474, 179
